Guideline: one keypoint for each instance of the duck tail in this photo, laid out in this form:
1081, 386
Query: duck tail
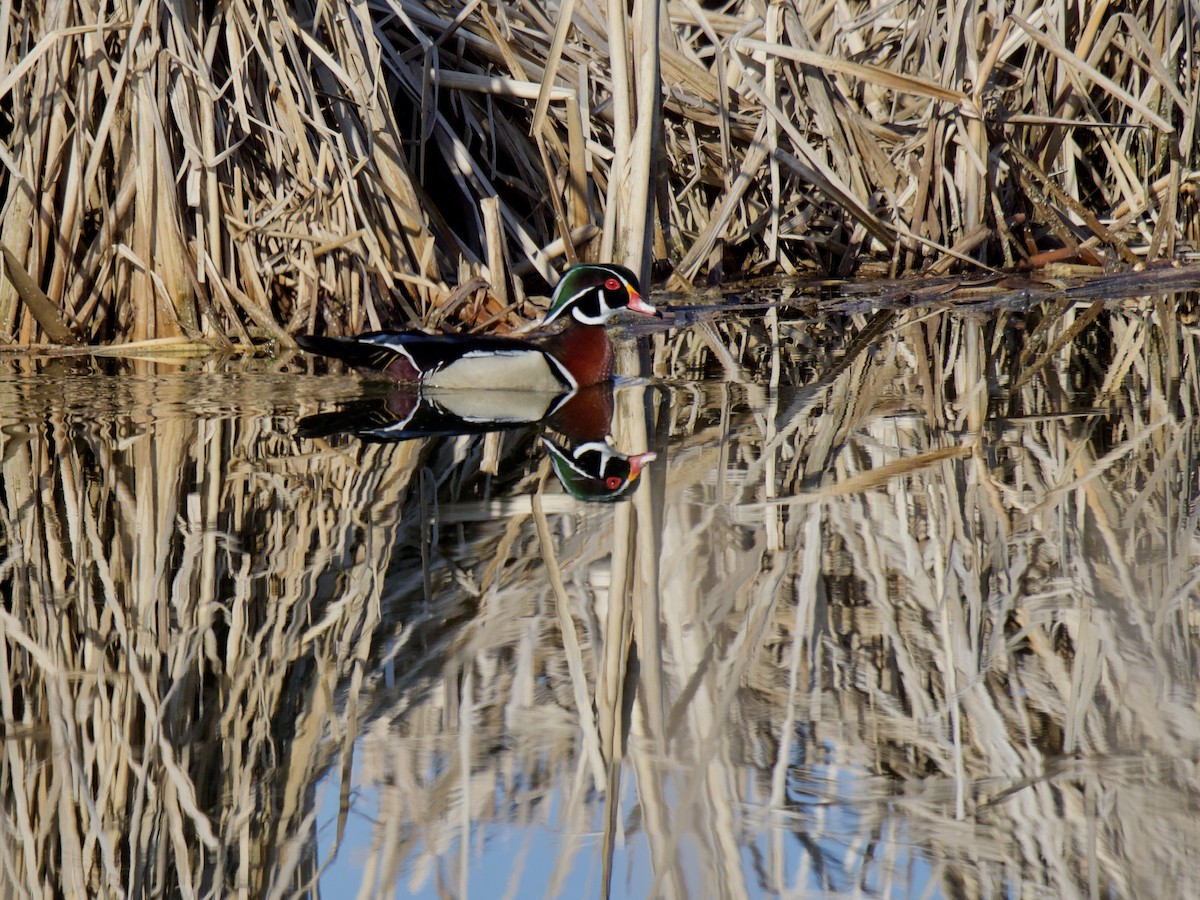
371, 357
346, 349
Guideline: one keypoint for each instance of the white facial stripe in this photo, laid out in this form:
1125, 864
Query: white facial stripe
569, 303
607, 453
570, 461
612, 273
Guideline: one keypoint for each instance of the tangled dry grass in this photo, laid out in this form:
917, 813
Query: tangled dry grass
237, 171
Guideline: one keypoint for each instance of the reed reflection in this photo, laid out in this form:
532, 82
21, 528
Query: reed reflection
910, 612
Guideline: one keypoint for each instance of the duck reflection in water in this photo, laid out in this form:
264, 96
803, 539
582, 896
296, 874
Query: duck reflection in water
587, 465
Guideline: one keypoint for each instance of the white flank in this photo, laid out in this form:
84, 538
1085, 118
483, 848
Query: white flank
516, 370
495, 406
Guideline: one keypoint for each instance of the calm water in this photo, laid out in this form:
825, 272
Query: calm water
908, 604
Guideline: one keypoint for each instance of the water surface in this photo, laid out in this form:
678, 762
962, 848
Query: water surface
906, 605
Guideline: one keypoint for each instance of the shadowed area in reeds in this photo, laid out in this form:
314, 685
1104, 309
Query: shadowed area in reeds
905, 601
238, 172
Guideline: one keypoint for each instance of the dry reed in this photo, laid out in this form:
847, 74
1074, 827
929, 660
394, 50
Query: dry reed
232, 172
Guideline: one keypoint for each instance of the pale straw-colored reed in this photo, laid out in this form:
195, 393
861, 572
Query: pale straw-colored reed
229, 172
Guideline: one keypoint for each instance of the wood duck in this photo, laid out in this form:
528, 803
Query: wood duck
576, 354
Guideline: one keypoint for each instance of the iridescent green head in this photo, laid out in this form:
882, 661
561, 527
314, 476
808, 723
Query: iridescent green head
594, 293
595, 471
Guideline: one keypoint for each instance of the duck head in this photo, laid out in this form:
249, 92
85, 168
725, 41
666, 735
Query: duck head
592, 293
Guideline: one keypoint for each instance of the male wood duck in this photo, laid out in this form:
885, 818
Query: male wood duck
576, 354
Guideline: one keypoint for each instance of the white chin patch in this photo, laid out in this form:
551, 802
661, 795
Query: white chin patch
521, 370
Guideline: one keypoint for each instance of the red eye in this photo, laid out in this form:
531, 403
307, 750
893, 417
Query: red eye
612, 285
612, 482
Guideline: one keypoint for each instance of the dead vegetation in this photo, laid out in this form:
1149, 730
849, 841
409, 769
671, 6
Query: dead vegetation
232, 172
939, 584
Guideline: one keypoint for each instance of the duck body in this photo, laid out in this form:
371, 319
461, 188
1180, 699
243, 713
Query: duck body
575, 355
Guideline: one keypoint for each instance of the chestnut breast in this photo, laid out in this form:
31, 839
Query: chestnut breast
585, 351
